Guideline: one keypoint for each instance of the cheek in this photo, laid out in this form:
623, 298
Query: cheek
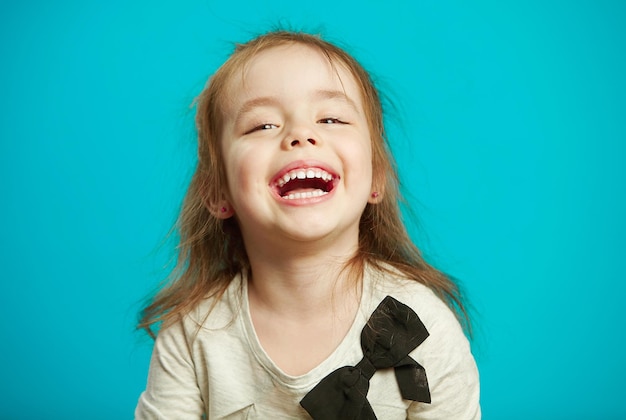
359, 159
365, 156
368, 169
243, 170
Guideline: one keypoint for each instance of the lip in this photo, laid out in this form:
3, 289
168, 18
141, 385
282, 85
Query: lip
303, 165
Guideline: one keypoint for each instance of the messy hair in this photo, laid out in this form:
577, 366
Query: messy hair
211, 250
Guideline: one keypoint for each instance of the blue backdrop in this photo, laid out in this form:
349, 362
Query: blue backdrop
511, 142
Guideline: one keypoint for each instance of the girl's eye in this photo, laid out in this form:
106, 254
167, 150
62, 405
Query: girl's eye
266, 126
331, 121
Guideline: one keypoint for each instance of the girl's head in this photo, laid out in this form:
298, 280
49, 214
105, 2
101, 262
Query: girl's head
232, 88
234, 120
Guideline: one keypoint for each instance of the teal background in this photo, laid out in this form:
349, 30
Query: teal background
509, 133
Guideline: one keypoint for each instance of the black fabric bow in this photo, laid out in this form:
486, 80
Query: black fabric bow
392, 332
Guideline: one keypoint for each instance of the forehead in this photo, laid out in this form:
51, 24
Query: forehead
291, 70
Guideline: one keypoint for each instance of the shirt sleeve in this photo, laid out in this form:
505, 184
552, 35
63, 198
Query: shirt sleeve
451, 371
172, 390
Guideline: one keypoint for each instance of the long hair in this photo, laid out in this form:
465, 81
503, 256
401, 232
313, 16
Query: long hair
211, 251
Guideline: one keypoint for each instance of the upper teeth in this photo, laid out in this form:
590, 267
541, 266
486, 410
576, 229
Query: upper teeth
302, 174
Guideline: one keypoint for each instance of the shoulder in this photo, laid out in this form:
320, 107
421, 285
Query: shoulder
213, 313
178, 377
441, 322
446, 354
434, 312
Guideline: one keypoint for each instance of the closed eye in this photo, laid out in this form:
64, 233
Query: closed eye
331, 121
261, 127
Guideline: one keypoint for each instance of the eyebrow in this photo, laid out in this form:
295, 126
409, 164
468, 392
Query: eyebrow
335, 94
319, 95
249, 105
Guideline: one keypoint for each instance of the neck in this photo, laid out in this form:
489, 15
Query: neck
302, 281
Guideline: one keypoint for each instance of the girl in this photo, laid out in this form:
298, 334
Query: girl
298, 293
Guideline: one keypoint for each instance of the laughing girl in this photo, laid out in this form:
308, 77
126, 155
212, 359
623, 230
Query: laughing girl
298, 292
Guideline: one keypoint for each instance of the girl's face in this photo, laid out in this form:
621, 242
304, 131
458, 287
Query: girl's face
297, 150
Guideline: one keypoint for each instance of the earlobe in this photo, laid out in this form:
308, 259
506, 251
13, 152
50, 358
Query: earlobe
375, 197
221, 209
378, 188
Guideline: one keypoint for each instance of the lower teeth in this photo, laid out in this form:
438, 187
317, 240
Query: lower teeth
308, 194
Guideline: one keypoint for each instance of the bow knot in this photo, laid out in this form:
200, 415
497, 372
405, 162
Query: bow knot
349, 377
392, 332
366, 368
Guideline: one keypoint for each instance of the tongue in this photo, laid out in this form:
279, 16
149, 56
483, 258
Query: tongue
302, 190
303, 186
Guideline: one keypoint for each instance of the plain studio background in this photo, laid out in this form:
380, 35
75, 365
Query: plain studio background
511, 144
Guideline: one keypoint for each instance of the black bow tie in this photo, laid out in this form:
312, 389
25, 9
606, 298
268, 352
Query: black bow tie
392, 332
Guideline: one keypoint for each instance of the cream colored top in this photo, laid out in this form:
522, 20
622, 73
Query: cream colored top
215, 366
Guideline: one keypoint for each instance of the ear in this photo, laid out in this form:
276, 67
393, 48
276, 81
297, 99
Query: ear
221, 209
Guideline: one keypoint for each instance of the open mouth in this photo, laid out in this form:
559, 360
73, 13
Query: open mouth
305, 183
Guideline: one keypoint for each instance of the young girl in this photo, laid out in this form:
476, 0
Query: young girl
298, 293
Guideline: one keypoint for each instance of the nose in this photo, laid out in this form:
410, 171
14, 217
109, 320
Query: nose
301, 136
296, 142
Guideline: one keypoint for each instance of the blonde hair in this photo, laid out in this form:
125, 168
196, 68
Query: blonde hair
211, 251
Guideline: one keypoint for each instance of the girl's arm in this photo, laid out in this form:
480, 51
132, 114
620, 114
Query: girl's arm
172, 390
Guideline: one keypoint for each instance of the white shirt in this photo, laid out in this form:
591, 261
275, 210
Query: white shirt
215, 366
